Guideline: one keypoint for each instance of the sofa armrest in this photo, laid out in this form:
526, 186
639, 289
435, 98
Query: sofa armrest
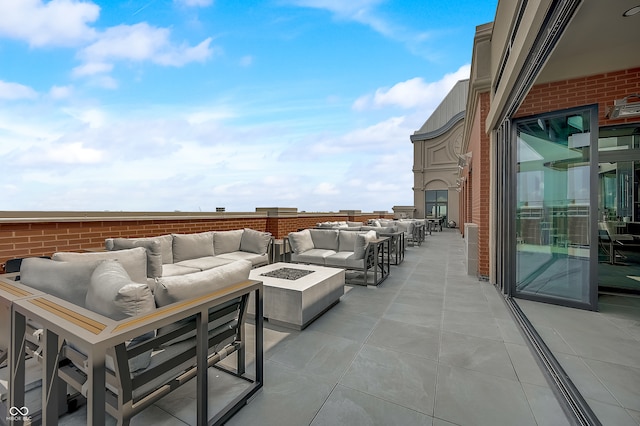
97, 335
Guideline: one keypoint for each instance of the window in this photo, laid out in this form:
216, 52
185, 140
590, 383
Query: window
436, 203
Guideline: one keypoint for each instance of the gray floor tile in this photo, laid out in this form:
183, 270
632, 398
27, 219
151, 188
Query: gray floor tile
475, 324
611, 414
350, 407
288, 398
510, 331
318, 354
584, 379
526, 367
407, 338
344, 324
403, 379
467, 397
416, 315
474, 353
622, 381
544, 405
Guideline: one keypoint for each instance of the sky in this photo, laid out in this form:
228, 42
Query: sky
190, 105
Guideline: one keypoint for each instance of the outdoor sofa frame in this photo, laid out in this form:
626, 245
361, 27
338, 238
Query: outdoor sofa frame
72, 333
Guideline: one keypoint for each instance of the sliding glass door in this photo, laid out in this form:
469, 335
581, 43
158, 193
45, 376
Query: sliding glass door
553, 189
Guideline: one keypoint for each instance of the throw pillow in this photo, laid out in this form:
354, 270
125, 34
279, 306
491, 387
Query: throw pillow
112, 293
362, 240
254, 241
300, 241
154, 253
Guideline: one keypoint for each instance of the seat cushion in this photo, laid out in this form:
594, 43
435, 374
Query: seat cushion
316, 256
171, 270
133, 260
254, 241
339, 259
192, 246
255, 259
347, 240
204, 263
227, 241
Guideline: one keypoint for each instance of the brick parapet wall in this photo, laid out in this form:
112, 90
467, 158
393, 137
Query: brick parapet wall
25, 235
602, 89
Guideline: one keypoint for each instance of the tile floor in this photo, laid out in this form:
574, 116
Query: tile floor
600, 351
429, 346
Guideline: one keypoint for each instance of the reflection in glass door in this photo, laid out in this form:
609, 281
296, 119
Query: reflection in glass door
554, 260
619, 210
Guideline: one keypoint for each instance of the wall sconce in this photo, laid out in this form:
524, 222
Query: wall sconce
622, 109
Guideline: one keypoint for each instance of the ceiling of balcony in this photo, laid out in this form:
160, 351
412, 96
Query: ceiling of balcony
599, 39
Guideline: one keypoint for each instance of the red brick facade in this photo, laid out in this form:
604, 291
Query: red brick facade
602, 89
23, 237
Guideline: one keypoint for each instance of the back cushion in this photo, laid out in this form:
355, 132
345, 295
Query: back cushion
184, 287
326, 239
227, 241
66, 280
254, 241
134, 260
154, 254
347, 240
192, 246
300, 241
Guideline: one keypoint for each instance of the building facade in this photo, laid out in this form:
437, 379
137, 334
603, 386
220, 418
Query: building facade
435, 158
551, 149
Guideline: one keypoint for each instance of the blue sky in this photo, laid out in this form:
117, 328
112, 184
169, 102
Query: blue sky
163, 105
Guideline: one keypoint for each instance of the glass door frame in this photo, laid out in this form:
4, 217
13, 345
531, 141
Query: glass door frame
510, 188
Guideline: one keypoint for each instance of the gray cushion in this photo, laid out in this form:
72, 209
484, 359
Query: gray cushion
254, 241
183, 287
112, 293
255, 259
192, 246
227, 241
325, 238
154, 252
300, 241
66, 280
171, 269
347, 240
362, 240
134, 260
316, 256
339, 259
204, 263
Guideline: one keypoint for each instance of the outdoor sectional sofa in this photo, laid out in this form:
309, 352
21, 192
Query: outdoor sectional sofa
180, 254
118, 336
360, 253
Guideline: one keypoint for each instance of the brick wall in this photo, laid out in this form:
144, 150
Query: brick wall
602, 89
23, 237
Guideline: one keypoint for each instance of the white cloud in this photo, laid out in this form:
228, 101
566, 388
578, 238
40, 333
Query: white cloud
412, 93
60, 92
14, 91
92, 68
326, 188
246, 61
137, 43
62, 154
54, 23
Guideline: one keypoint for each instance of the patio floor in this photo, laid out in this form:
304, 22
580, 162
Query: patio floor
429, 346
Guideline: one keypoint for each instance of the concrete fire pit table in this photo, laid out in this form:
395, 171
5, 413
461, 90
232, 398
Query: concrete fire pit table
295, 294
